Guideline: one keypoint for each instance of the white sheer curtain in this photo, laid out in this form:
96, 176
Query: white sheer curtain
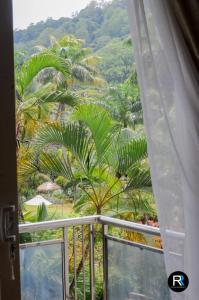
170, 97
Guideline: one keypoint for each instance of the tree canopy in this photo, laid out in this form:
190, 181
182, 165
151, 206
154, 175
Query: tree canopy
102, 25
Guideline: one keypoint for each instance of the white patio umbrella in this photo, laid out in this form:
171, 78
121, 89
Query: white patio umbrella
38, 200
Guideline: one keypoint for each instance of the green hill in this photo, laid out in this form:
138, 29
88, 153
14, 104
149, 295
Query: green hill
104, 27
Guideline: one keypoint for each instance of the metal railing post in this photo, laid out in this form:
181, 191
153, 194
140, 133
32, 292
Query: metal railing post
75, 262
105, 262
83, 264
66, 265
92, 263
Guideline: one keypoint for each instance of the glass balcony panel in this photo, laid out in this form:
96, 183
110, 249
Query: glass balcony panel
42, 272
135, 273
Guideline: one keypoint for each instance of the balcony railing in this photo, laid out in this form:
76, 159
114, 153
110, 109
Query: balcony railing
93, 257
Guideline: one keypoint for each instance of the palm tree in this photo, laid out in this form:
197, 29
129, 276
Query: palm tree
92, 160
87, 153
32, 99
81, 62
124, 104
34, 102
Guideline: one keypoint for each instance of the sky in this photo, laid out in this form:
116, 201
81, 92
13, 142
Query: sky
33, 11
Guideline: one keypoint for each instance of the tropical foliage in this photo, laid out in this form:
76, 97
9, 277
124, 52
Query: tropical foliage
103, 25
79, 124
94, 147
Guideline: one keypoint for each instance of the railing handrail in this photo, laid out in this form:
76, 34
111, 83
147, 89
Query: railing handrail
129, 225
56, 224
95, 219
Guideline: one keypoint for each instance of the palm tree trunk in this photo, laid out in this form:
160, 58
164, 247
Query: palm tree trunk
99, 211
79, 268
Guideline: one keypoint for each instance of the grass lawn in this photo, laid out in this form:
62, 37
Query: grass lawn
58, 211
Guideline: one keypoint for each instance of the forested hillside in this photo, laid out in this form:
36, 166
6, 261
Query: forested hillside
102, 25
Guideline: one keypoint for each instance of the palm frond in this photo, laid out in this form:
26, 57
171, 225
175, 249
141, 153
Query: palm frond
63, 97
37, 63
102, 127
130, 154
124, 153
139, 179
51, 163
81, 73
80, 53
27, 166
73, 136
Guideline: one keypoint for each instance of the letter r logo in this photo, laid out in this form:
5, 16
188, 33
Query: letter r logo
179, 279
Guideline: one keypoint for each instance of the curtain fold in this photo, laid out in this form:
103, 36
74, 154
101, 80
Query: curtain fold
168, 79
187, 16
